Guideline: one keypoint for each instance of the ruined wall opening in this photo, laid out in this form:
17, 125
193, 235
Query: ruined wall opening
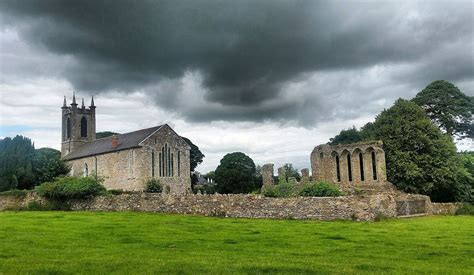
374, 166
361, 167
86, 170
338, 169
349, 167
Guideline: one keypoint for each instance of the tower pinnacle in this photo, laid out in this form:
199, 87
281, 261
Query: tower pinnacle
74, 99
82, 105
92, 102
64, 102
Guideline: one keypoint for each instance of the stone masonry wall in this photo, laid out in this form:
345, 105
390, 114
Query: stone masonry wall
364, 208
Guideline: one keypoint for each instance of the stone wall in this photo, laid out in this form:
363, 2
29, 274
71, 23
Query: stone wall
267, 175
444, 208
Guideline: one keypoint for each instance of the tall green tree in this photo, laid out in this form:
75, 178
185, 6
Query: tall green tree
449, 108
235, 174
16, 163
347, 136
420, 158
23, 167
196, 154
48, 165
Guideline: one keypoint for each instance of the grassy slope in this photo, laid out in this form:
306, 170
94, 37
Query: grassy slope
88, 242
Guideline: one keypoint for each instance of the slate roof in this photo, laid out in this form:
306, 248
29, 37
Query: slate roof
104, 145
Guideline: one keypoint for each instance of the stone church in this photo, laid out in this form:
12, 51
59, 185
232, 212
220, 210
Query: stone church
124, 161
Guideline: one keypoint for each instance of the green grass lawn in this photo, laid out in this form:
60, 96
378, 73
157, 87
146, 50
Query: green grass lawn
130, 242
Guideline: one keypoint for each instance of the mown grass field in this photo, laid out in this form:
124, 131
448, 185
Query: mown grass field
129, 242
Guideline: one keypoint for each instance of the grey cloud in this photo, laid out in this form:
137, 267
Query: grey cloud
249, 51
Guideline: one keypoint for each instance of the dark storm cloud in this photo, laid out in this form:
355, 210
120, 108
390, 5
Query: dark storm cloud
248, 51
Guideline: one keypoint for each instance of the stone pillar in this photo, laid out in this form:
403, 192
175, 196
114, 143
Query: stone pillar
282, 174
305, 175
267, 175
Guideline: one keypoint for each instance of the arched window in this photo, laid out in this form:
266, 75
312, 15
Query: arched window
374, 166
83, 127
160, 163
349, 166
169, 161
68, 128
172, 165
361, 163
130, 163
179, 164
321, 155
86, 170
338, 169
153, 163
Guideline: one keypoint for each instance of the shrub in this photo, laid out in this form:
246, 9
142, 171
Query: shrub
465, 209
320, 189
153, 186
71, 188
281, 190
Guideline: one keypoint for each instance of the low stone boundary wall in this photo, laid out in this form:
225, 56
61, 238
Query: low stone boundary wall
444, 208
364, 208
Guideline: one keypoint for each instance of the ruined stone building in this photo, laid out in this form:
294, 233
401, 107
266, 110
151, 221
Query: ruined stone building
349, 166
124, 161
356, 165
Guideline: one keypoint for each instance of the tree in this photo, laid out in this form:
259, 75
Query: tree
16, 166
290, 171
196, 154
48, 165
23, 167
105, 134
420, 158
235, 174
448, 108
350, 135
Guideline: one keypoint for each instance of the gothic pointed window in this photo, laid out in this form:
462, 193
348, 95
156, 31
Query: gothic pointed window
361, 168
338, 169
349, 166
374, 166
86, 170
68, 128
83, 127
179, 164
152, 163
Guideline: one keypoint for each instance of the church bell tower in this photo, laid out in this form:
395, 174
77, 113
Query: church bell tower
78, 125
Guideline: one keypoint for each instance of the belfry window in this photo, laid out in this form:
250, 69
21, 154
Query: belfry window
83, 127
68, 128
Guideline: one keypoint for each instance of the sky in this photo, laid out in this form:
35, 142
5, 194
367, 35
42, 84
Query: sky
270, 78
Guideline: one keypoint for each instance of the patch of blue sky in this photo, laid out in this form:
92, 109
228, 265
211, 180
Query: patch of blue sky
13, 130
